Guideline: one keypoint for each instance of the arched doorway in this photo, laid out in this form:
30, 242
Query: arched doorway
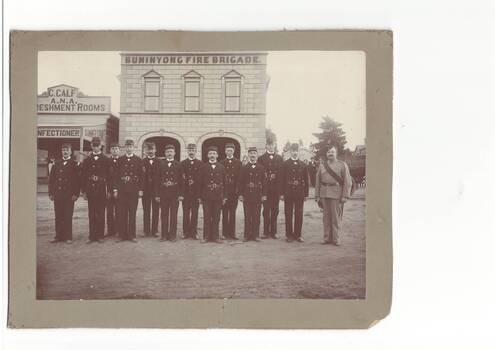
220, 142
161, 142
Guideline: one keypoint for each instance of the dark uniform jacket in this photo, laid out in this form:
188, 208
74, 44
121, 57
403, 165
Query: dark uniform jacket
191, 170
232, 171
168, 180
129, 174
273, 167
252, 182
95, 175
213, 182
64, 180
149, 173
294, 182
112, 166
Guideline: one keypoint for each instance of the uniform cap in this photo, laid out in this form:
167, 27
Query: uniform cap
95, 141
169, 147
191, 146
114, 144
213, 148
252, 149
229, 145
66, 145
294, 147
149, 145
129, 143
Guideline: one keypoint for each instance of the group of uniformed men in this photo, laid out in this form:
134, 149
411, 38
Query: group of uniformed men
116, 183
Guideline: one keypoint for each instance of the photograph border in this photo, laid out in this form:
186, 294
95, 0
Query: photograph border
24, 311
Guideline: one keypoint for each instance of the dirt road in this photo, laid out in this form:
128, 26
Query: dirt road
187, 269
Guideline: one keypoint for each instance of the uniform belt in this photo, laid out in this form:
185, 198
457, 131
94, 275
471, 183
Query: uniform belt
96, 178
253, 185
128, 178
214, 186
295, 182
169, 183
329, 184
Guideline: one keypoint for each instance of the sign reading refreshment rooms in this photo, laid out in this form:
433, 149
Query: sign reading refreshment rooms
67, 99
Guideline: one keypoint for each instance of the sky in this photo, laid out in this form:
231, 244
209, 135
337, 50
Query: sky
304, 86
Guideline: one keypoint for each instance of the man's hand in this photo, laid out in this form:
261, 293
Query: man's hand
74, 198
317, 199
157, 199
224, 201
85, 196
200, 201
51, 198
181, 198
140, 193
115, 194
343, 199
263, 198
241, 198
282, 198
109, 195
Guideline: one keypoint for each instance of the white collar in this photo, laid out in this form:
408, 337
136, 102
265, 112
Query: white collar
170, 160
191, 158
229, 158
294, 160
151, 157
212, 163
66, 159
129, 156
270, 153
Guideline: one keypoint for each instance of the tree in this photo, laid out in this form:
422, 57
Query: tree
331, 134
270, 135
287, 146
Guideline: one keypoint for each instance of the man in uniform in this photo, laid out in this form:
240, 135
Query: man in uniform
151, 207
212, 195
112, 223
312, 171
63, 190
232, 169
294, 191
169, 191
95, 175
332, 190
128, 187
252, 191
272, 163
192, 193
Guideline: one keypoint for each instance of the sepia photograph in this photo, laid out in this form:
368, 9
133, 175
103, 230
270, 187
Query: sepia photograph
201, 175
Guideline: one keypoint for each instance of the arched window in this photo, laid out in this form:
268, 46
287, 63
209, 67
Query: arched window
192, 91
152, 91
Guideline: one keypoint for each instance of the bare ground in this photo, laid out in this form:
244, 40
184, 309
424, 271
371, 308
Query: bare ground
187, 269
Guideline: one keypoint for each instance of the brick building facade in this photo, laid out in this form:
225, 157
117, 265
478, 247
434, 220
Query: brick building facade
204, 98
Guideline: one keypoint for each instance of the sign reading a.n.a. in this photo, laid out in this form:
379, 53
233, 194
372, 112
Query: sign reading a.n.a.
68, 99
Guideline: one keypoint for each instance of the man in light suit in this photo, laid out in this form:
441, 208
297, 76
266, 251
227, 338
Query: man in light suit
332, 190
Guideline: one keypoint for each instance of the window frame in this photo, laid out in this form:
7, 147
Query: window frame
152, 80
227, 80
196, 80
